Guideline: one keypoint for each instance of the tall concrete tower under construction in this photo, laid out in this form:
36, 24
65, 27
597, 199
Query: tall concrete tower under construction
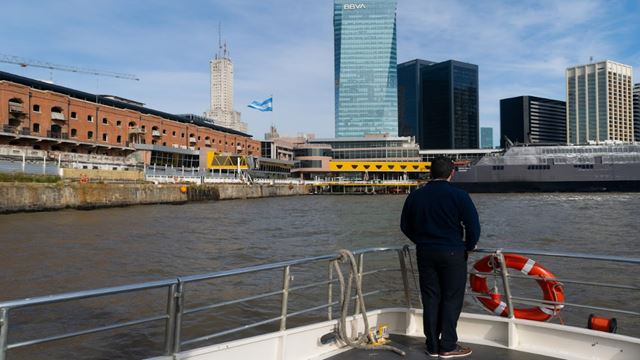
221, 110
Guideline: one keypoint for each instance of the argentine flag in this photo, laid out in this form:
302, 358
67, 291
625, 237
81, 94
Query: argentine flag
266, 105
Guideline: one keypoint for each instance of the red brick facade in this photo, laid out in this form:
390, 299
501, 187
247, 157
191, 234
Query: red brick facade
52, 121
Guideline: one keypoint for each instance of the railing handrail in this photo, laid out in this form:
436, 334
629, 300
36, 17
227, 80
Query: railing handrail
562, 254
76, 295
84, 294
176, 308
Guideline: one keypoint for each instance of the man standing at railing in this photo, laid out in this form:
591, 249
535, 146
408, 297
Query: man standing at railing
443, 223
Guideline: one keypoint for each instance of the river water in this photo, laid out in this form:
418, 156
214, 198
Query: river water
54, 252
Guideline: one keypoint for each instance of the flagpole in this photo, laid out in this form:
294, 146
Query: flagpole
273, 123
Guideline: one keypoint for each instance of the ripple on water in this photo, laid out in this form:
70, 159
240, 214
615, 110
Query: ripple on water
71, 250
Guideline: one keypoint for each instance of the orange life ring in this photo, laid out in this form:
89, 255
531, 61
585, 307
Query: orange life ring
551, 288
84, 179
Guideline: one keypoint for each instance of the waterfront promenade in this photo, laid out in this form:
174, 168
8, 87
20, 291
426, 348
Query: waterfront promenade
19, 197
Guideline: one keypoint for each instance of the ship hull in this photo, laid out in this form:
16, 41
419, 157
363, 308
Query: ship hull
548, 186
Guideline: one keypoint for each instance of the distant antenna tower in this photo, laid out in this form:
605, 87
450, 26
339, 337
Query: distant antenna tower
223, 52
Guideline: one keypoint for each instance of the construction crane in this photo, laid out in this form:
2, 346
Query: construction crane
23, 62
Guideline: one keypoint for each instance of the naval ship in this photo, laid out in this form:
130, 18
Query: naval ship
549, 168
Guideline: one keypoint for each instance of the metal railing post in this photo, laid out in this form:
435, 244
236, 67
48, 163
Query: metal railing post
405, 277
359, 275
330, 291
505, 281
4, 332
179, 306
172, 313
286, 277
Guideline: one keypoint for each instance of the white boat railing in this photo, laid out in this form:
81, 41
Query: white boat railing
177, 310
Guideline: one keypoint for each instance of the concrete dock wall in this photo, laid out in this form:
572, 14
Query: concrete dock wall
19, 197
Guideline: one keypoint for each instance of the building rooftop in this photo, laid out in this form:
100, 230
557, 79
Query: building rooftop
365, 138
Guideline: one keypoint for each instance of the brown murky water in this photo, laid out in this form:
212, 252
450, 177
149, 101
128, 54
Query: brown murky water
55, 252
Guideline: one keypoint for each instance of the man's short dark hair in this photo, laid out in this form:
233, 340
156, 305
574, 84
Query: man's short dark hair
441, 167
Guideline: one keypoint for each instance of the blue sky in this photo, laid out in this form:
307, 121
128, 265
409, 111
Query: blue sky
285, 48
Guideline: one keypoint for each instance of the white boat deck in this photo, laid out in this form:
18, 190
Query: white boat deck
414, 347
491, 337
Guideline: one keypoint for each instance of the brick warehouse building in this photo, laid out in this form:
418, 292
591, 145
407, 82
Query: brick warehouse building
50, 117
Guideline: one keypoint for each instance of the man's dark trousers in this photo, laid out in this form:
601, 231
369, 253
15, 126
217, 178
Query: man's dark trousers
443, 278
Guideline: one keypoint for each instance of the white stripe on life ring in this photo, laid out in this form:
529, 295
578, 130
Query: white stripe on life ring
498, 311
528, 266
547, 310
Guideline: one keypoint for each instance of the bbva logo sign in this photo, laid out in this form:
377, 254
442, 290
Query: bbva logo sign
354, 6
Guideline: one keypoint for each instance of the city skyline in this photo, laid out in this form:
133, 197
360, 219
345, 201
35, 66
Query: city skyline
285, 48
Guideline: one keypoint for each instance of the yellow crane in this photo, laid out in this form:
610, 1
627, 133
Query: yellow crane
24, 62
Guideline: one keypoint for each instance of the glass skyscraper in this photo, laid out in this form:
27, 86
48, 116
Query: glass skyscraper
450, 106
365, 67
531, 119
486, 138
438, 103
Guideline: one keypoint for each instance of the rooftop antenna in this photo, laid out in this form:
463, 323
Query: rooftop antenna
219, 39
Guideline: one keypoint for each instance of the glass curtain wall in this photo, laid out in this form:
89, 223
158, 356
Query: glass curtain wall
366, 94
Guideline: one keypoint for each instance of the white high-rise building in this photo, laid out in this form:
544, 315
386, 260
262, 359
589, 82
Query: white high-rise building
636, 112
599, 103
221, 110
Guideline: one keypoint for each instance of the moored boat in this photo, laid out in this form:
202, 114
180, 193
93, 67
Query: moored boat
589, 168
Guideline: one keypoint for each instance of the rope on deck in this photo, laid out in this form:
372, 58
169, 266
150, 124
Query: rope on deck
364, 340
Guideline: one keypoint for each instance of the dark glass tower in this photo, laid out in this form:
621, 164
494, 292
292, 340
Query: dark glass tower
531, 119
410, 118
438, 103
450, 106
366, 90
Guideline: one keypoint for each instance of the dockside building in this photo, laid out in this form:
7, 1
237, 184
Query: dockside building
370, 157
532, 119
49, 117
599, 103
365, 59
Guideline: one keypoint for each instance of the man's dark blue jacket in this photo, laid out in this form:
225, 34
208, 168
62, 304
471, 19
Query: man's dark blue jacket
434, 215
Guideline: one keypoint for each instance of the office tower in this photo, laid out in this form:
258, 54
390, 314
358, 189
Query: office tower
221, 111
450, 106
486, 138
410, 116
636, 112
599, 103
366, 100
438, 103
532, 119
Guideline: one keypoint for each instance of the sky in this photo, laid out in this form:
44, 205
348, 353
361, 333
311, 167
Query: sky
284, 48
